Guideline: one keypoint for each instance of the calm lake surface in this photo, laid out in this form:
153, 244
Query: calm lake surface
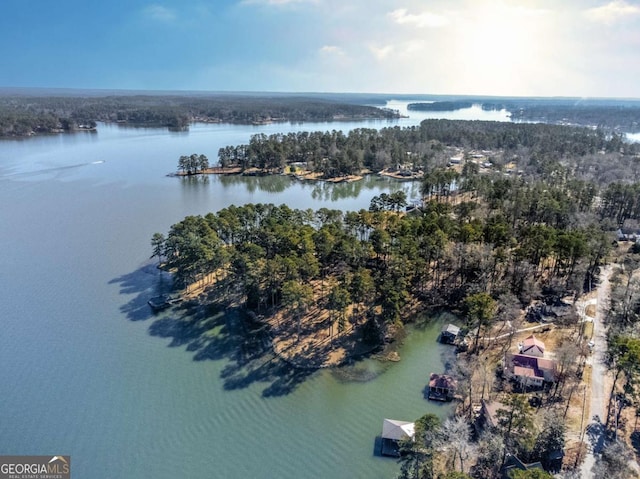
633, 137
88, 371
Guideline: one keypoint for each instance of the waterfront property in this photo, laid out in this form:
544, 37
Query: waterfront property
528, 368
188, 356
394, 431
442, 387
530, 371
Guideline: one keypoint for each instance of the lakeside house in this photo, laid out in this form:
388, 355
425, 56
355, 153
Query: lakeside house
442, 387
449, 334
530, 371
394, 431
529, 368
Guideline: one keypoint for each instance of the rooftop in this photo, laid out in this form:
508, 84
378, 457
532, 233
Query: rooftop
531, 343
441, 381
451, 328
397, 430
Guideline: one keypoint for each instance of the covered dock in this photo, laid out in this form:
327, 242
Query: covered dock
449, 334
394, 431
441, 387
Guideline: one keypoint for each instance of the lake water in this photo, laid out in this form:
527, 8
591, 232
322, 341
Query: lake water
633, 137
88, 371
474, 112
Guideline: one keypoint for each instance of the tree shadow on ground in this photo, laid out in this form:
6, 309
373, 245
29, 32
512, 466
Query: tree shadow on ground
596, 434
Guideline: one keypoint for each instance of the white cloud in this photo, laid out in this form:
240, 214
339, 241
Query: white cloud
612, 12
421, 20
160, 13
381, 52
332, 50
496, 47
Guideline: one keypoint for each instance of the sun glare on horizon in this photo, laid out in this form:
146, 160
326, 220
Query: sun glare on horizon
502, 47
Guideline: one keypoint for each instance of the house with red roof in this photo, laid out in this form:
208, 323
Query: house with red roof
529, 368
532, 346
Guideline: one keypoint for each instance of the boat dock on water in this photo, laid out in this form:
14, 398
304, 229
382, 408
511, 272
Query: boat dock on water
164, 301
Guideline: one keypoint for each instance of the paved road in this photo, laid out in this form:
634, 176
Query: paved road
595, 430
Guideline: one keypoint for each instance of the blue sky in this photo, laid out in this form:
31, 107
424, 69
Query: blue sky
525, 47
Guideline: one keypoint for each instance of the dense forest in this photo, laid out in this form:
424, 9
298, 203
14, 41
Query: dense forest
26, 115
537, 149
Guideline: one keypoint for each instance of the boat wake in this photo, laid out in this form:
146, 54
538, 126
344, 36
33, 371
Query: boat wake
49, 170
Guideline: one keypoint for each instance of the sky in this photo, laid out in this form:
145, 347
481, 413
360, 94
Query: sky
584, 48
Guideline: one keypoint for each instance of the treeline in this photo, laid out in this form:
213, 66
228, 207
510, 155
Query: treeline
23, 115
621, 201
507, 236
554, 141
24, 123
544, 234
611, 115
334, 153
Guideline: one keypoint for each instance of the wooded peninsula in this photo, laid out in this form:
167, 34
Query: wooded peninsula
530, 149
520, 221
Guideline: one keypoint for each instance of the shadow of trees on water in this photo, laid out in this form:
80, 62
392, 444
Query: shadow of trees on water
144, 283
211, 333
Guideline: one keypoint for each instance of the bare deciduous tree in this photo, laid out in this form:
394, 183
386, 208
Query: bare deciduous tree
455, 438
